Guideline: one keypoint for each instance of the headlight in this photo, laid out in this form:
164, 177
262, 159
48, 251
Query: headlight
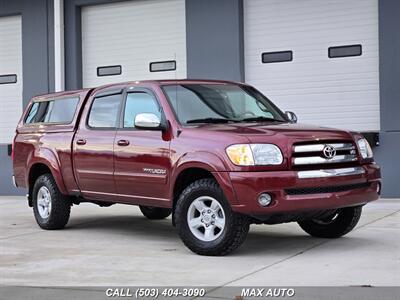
254, 154
240, 155
364, 148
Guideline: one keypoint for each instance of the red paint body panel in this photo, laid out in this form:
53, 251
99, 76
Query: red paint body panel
94, 162
47, 144
100, 169
249, 185
146, 149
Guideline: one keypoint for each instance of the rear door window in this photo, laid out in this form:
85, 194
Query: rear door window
105, 111
60, 111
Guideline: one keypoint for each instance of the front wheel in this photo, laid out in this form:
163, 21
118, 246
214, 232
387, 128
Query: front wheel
205, 221
339, 223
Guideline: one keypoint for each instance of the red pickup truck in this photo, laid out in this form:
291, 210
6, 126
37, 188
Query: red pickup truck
218, 155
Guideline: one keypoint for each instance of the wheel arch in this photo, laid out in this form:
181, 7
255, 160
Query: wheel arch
192, 171
188, 175
40, 167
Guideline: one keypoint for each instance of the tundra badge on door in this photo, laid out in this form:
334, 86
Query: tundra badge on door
155, 171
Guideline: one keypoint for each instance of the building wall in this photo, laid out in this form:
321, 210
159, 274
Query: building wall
6, 186
387, 154
73, 40
214, 32
37, 63
214, 37
214, 48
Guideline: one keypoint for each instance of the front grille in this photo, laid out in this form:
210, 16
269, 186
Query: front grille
316, 154
327, 189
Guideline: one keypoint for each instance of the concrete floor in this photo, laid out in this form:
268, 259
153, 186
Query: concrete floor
118, 246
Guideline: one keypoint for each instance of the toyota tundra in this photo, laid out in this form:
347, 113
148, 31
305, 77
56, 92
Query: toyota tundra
217, 155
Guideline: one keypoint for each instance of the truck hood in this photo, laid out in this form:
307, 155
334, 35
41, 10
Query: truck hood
263, 132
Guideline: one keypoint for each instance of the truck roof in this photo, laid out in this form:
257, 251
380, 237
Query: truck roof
151, 82
61, 94
183, 81
159, 82
170, 81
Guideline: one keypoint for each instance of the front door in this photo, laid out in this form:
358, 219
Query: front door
93, 147
141, 157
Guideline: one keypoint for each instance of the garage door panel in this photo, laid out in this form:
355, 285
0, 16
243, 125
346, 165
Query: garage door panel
10, 63
133, 34
306, 73
338, 92
332, 107
302, 10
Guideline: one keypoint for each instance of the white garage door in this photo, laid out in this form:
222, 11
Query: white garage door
135, 40
10, 76
337, 87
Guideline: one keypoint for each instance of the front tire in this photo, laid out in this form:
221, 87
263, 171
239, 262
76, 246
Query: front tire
155, 213
50, 207
336, 225
205, 221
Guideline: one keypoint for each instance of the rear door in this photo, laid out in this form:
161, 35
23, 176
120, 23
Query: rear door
94, 145
142, 158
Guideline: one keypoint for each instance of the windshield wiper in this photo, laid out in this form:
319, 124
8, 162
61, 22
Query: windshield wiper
210, 120
260, 119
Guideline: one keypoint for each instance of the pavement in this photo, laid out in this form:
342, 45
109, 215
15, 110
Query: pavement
118, 246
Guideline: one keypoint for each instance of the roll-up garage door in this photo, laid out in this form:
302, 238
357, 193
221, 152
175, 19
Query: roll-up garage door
10, 76
316, 58
133, 40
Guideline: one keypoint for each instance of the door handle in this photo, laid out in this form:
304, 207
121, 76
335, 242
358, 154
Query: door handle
81, 142
123, 143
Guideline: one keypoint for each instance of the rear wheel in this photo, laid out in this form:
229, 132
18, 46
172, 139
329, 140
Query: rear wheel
155, 213
339, 223
205, 221
50, 207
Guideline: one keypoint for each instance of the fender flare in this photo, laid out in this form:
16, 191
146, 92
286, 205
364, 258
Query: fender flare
207, 161
49, 159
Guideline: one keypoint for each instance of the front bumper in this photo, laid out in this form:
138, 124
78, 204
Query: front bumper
292, 194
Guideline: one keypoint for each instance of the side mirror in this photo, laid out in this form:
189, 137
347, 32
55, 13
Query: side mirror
148, 121
291, 116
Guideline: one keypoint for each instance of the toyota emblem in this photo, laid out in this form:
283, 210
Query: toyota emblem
329, 151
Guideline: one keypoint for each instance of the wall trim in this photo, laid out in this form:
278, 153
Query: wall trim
59, 76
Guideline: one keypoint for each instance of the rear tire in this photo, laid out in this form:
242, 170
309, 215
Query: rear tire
155, 213
50, 207
338, 224
205, 221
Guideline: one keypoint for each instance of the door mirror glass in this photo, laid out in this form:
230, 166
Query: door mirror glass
147, 121
291, 116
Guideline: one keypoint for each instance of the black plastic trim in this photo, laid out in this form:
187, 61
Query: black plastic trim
372, 137
108, 93
327, 189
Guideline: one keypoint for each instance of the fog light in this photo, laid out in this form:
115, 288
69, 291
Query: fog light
264, 199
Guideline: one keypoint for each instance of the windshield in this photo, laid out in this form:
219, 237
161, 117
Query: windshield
220, 103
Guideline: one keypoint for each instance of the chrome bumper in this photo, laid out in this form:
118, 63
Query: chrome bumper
14, 182
330, 172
